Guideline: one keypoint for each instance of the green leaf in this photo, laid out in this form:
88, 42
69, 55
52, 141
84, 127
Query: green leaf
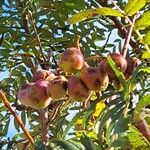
5, 130
147, 38
113, 113
118, 73
143, 102
146, 69
23, 117
72, 123
146, 55
136, 139
87, 14
88, 143
143, 22
133, 6
69, 144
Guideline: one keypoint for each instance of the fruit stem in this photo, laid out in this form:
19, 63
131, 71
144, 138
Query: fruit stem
76, 42
18, 119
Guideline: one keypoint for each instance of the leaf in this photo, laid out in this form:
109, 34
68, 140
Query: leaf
118, 73
144, 101
89, 13
146, 69
133, 6
143, 22
112, 113
147, 38
5, 130
69, 144
72, 123
146, 55
136, 139
88, 143
23, 117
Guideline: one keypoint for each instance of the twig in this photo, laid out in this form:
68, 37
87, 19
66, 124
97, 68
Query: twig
43, 114
18, 119
127, 39
106, 41
37, 35
134, 28
119, 25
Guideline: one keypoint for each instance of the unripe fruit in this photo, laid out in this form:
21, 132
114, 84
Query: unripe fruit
72, 59
43, 74
34, 94
77, 90
94, 79
132, 62
118, 59
57, 88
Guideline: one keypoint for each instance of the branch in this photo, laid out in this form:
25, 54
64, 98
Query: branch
127, 39
36, 33
43, 114
132, 24
18, 119
119, 25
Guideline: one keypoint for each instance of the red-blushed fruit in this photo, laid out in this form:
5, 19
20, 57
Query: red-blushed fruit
57, 88
77, 90
94, 79
71, 60
34, 94
118, 59
43, 74
132, 62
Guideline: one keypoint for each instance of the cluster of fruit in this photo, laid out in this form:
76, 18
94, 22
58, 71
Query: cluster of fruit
47, 87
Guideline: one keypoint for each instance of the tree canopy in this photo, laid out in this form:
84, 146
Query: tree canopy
34, 34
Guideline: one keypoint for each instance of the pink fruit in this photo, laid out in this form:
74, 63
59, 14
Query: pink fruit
118, 59
94, 79
72, 59
43, 74
132, 62
34, 94
57, 88
77, 90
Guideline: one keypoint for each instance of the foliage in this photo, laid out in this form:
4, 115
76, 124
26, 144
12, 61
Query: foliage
33, 34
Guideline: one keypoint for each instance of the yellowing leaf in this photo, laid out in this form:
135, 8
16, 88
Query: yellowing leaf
93, 96
133, 6
147, 38
146, 69
99, 107
143, 22
146, 55
87, 14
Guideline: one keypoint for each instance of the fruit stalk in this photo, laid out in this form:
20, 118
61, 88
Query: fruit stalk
18, 119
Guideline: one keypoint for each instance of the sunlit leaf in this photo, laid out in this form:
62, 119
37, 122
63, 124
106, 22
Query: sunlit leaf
147, 38
146, 69
136, 139
143, 102
87, 14
146, 55
133, 6
143, 22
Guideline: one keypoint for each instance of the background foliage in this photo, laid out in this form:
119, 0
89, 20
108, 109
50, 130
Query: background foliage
101, 125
